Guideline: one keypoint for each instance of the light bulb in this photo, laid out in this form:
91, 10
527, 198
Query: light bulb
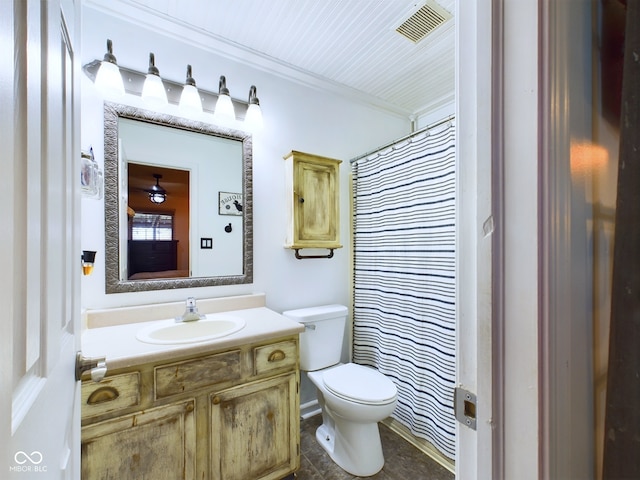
153, 91
190, 102
108, 79
224, 111
253, 118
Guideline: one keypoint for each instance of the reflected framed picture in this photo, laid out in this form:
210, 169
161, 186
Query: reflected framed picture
229, 203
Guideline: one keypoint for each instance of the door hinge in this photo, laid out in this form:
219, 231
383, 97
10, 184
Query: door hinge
465, 407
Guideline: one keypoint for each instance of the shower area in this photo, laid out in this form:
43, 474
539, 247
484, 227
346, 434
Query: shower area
404, 309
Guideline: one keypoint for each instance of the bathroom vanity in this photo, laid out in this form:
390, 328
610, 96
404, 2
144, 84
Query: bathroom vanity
225, 409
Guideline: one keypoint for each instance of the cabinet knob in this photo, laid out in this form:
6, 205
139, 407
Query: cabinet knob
215, 400
276, 356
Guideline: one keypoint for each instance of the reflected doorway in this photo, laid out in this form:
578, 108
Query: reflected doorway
158, 233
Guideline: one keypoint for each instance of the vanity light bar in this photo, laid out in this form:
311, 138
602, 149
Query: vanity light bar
134, 81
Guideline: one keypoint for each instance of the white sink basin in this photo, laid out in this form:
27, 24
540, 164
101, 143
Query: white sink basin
167, 332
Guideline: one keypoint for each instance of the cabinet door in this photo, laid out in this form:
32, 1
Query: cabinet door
255, 430
157, 443
316, 212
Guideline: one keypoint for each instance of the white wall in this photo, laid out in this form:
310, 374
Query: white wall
296, 118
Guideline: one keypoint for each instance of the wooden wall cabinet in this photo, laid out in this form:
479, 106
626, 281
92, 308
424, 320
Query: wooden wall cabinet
313, 201
226, 415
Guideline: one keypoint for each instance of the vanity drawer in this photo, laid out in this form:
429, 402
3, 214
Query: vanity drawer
200, 372
112, 393
275, 356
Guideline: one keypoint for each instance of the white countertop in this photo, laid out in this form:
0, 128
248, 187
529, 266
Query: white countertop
122, 349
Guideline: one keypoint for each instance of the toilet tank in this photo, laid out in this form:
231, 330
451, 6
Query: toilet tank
321, 341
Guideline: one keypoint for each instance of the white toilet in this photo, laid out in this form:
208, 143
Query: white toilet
353, 398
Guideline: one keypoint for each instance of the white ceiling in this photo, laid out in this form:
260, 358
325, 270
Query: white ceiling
347, 46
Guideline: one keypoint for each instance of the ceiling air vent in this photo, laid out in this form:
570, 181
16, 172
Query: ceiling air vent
423, 21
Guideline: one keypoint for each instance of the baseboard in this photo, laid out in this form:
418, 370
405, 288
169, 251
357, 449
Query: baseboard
421, 444
310, 409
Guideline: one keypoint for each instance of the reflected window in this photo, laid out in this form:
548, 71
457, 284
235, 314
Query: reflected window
152, 226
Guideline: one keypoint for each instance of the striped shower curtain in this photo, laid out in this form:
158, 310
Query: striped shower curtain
404, 276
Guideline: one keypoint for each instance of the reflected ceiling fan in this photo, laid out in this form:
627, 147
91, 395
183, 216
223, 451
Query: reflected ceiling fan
152, 180
157, 194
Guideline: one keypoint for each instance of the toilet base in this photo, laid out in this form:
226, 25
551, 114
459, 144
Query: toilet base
325, 439
354, 447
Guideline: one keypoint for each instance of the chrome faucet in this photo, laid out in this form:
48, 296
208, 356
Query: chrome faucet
191, 312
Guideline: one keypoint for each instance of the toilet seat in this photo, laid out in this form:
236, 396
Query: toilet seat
360, 384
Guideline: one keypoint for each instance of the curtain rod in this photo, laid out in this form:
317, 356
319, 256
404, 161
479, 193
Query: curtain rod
422, 130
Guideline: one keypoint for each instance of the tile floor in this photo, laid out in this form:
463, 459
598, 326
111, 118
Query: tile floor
402, 460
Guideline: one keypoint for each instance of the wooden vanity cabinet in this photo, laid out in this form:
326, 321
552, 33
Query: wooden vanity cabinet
313, 201
155, 443
224, 415
252, 422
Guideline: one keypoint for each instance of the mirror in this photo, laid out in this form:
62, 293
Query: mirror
200, 234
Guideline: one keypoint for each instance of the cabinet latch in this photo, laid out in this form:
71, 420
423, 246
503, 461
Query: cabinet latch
465, 407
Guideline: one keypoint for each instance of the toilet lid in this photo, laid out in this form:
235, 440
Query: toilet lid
359, 384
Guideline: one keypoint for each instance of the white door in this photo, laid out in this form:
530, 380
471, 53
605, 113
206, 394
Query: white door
475, 241
40, 246
497, 291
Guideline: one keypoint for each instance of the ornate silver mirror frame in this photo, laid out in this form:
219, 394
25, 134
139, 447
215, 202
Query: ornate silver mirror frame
113, 280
